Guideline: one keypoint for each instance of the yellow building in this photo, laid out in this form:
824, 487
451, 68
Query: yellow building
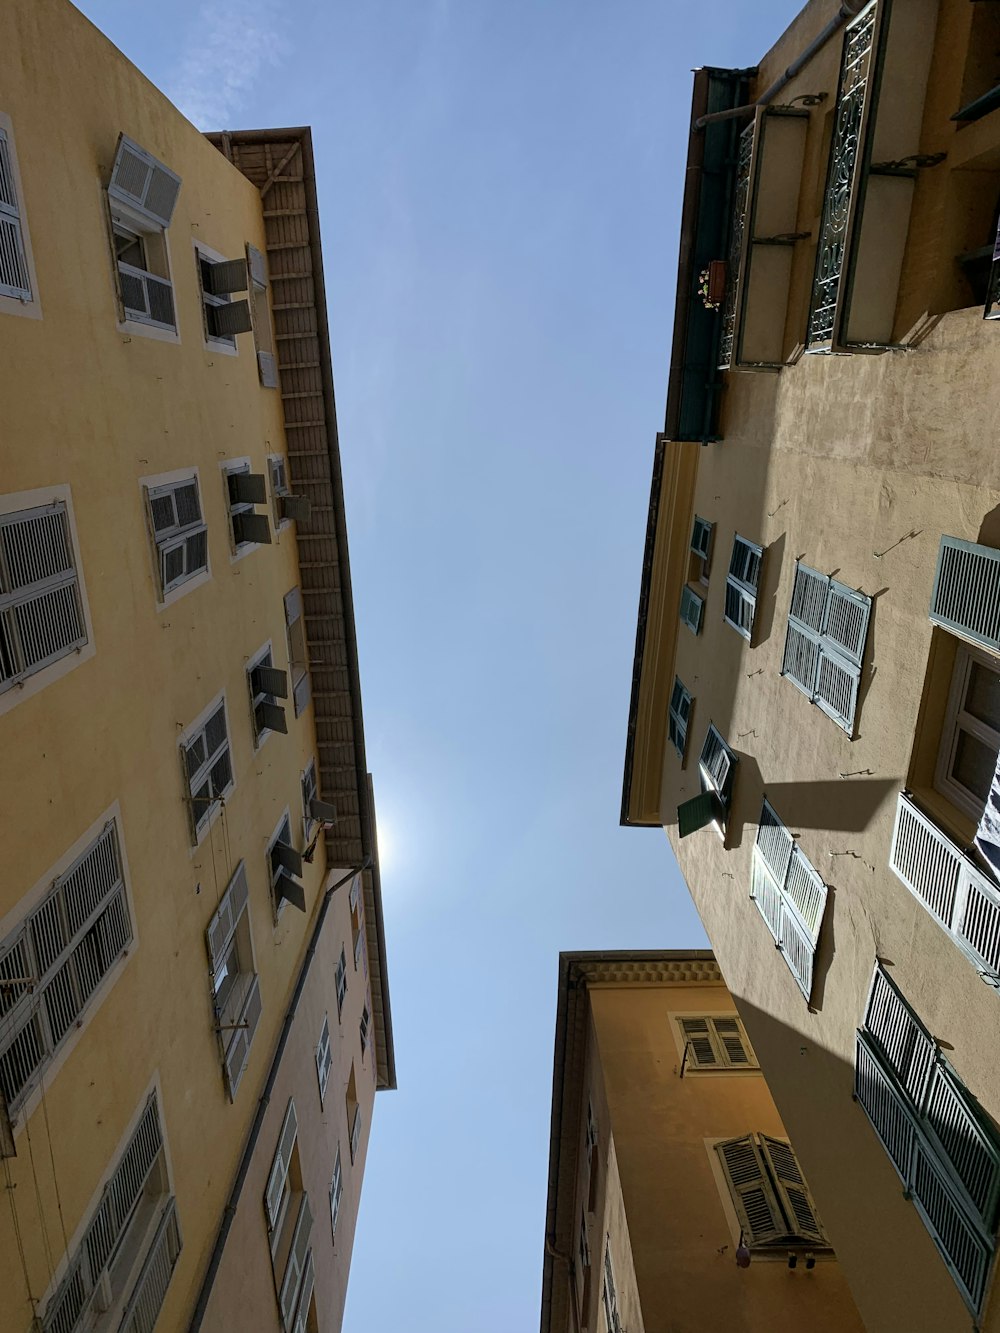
815, 716
194, 1008
675, 1200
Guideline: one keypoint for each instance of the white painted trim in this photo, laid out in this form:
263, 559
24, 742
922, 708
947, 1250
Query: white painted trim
225, 467
279, 523
276, 911
251, 662
39, 680
189, 585
945, 783
182, 739
201, 250
10, 305
145, 226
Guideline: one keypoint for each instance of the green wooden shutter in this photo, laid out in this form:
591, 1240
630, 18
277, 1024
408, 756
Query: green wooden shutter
753, 1196
697, 813
692, 609
793, 1192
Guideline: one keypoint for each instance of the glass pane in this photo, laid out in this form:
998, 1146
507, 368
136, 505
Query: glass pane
982, 698
974, 765
129, 248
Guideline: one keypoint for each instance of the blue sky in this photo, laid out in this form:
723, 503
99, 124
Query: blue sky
499, 185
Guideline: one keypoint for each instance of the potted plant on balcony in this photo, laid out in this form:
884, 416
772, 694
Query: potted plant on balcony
712, 284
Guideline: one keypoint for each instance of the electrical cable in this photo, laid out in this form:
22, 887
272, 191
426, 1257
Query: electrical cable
55, 1178
17, 1234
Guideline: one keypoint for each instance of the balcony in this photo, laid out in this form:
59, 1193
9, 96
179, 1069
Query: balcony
874, 159
147, 299
762, 239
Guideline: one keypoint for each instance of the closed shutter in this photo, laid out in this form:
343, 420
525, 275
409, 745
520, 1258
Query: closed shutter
774, 843
305, 1295
41, 618
733, 1042
238, 1049
968, 1253
966, 596
143, 183
805, 627
123, 1190
279, 1167
885, 1107
753, 1197
267, 370
692, 609
223, 924
955, 1121
789, 894
14, 280
825, 643
324, 1059
800, 1211
225, 321
291, 1283
221, 277
147, 1297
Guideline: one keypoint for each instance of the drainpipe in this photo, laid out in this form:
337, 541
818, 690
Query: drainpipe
229, 1212
848, 10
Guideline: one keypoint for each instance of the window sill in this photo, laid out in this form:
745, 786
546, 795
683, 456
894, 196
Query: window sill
28, 309
134, 327
182, 589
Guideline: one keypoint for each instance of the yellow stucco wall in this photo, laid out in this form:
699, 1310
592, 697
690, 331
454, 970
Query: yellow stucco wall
88, 406
660, 1203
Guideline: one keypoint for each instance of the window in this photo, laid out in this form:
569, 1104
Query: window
956, 892
305, 1307
314, 810
770, 1195
285, 863
336, 1193
825, 644
219, 278
365, 1025
741, 585
592, 1155
142, 194
341, 982
286, 505
120, 1271
970, 738
41, 612
692, 609
944, 1148
324, 1060
15, 267
715, 769
289, 1223
179, 532
592, 1133
235, 986
680, 712
716, 1042
357, 903
701, 551
609, 1293
207, 766
267, 366
789, 895
583, 1250
298, 656
56, 960
266, 685
354, 1115
244, 489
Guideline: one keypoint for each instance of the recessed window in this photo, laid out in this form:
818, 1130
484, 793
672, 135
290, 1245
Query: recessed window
353, 1115
244, 490
298, 655
289, 1222
741, 585
142, 194
716, 770
208, 767
357, 902
715, 1042
825, 643
692, 609
336, 1193
341, 982
324, 1060
680, 712
286, 505
701, 551
769, 1193
609, 1293
236, 990
15, 267
266, 684
285, 865
970, 738
180, 534
41, 612
365, 1025
219, 279
267, 366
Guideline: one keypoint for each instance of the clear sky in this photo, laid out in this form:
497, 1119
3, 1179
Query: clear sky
499, 186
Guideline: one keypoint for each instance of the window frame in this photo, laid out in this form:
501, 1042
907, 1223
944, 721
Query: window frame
241, 467
278, 872
341, 982
827, 649
217, 342
237, 1012
125, 213
790, 894
298, 662
689, 601
700, 562
775, 1185
278, 490
722, 1063
263, 657
679, 717
324, 1059
155, 488
742, 588
23, 301
310, 791
200, 824
336, 1193
957, 720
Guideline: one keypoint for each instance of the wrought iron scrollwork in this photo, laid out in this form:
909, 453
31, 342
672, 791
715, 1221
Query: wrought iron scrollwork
741, 199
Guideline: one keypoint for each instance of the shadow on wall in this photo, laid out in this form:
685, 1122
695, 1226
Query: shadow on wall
767, 593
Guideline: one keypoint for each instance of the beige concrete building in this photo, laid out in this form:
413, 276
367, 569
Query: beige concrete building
675, 1200
194, 1008
815, 714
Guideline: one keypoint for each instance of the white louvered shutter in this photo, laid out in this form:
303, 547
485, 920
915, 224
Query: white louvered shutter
305, 1295
774, 843
279, 1167
223, 923
966, 596
14, 279
805, 628
753, 1197
291, 1284
800, 1211
257, 264
143, 182
968, 1252
692, 608
241, 1039
41, 618
904, 1042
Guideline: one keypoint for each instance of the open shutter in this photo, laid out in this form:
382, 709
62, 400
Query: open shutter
322, 810
692, 609
968, 1253
891, 1118
754, 1199
699, 1043
846, 624
287, 857
966, 596
800, 1211
223, 923
740, 607
14, 279
144, 183
238, 1052
248, 488
257, 264
279, 1167
766, 896
225, 321
290, 891
298, 507
269, 717
248, 527
697, 813
806, 892
269, 680
905, 1044
837, 688
224, 276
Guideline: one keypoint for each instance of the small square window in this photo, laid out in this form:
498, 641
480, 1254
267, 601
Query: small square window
285, 866
244, 490
266, 684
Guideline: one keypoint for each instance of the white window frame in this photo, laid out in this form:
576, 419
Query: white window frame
201, 824
226, 344
341, 982
22, 1010
275, 874
229, 935
279, 489
609, 1292
237, 549
790, 894
127, 217
679, 717
29, 306
324, 1059
260, 311
40, 678
701, 556
365, 1026
264, 656
150, 488
277, 1191
310, 790
336, 1193
743, 589
957, 720
722, 1064
298, 668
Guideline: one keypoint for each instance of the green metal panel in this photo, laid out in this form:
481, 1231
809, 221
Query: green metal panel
696, 813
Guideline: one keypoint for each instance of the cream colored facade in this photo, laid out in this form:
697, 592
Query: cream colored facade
845, 474
664, 1138
164, 997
